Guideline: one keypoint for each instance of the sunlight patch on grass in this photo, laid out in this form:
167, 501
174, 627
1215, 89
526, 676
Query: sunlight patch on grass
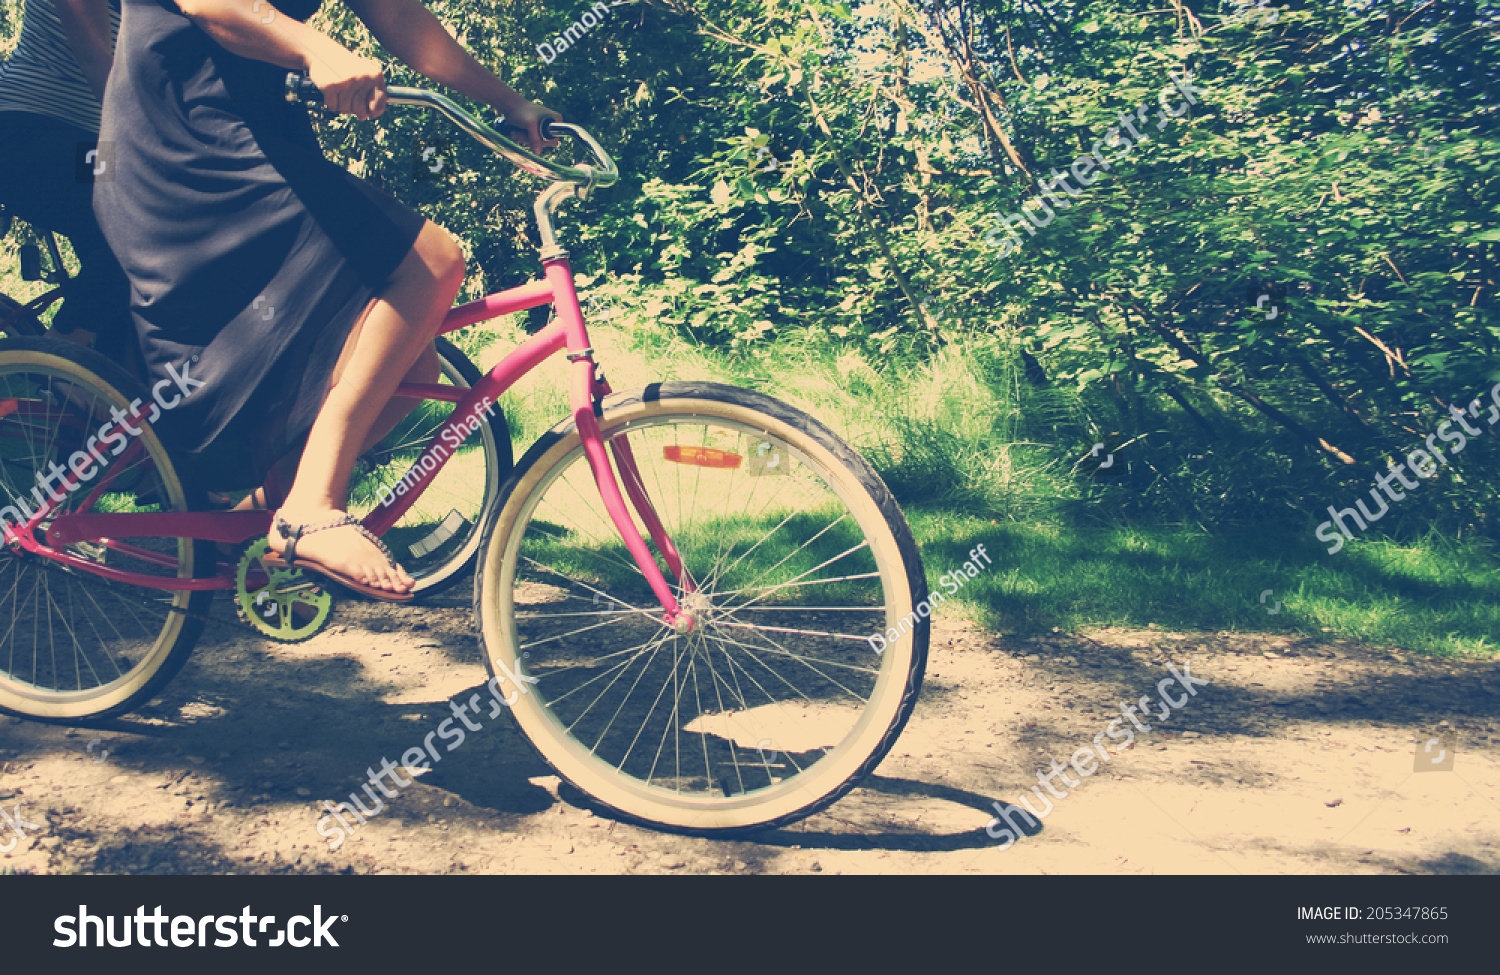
1442, 600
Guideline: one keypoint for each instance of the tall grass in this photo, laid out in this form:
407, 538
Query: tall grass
947, 431
974, 453
977, 455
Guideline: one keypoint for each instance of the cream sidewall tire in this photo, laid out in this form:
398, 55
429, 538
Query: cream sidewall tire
870, 736
174, 643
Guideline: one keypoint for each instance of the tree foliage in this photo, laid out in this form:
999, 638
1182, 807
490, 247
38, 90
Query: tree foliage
1288, 282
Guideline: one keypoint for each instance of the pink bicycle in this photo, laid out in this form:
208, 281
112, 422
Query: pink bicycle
678, 587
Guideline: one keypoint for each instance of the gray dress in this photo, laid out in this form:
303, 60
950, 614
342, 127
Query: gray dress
250, 256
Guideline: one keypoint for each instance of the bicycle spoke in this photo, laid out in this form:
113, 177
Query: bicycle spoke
784, 629
787, 585
766, 668
91, 649
652, 645
650, 712
783, 652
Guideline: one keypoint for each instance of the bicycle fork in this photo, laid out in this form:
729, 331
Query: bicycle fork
587, 391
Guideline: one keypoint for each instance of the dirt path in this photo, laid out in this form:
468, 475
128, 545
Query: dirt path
1292, 758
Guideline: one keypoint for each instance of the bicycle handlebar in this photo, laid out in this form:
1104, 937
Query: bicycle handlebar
299, 88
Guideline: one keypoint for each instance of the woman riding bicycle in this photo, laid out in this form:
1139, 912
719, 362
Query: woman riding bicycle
295, 295
49, 123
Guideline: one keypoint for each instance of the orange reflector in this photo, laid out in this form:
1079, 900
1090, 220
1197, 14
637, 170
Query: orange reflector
702, 457
9, 406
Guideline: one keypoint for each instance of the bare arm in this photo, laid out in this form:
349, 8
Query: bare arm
86, 22
409, 30
258, 30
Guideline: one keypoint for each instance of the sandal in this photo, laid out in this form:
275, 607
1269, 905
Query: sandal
219, 501
289, 559
222, 501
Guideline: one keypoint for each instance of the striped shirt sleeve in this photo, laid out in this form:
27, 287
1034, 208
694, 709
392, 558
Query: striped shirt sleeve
42, 76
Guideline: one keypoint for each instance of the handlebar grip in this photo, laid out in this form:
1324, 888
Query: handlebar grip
544, 127
299, 88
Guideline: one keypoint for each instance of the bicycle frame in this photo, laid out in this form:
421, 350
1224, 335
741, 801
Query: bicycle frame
34, 307
587, 388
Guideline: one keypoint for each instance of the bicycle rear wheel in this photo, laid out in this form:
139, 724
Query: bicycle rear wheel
75, 645
777, 703
437, 538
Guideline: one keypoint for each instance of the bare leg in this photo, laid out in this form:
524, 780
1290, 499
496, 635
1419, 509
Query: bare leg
382, 349
428, 369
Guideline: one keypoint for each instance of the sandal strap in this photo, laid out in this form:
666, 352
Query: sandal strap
294, 532
355, 524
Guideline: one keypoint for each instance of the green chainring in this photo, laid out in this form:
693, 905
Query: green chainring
285, 604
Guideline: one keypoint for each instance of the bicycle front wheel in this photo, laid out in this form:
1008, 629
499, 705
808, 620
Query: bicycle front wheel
802, 576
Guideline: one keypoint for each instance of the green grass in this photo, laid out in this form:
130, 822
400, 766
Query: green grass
947, 438
1441, 597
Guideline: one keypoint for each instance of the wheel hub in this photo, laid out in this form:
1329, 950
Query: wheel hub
692, 610
696, 605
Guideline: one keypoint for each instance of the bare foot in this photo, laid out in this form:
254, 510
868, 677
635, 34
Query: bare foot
344, 550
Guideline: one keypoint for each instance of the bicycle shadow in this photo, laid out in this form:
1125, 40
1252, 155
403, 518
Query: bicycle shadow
494, 767
874, 836
309, 729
